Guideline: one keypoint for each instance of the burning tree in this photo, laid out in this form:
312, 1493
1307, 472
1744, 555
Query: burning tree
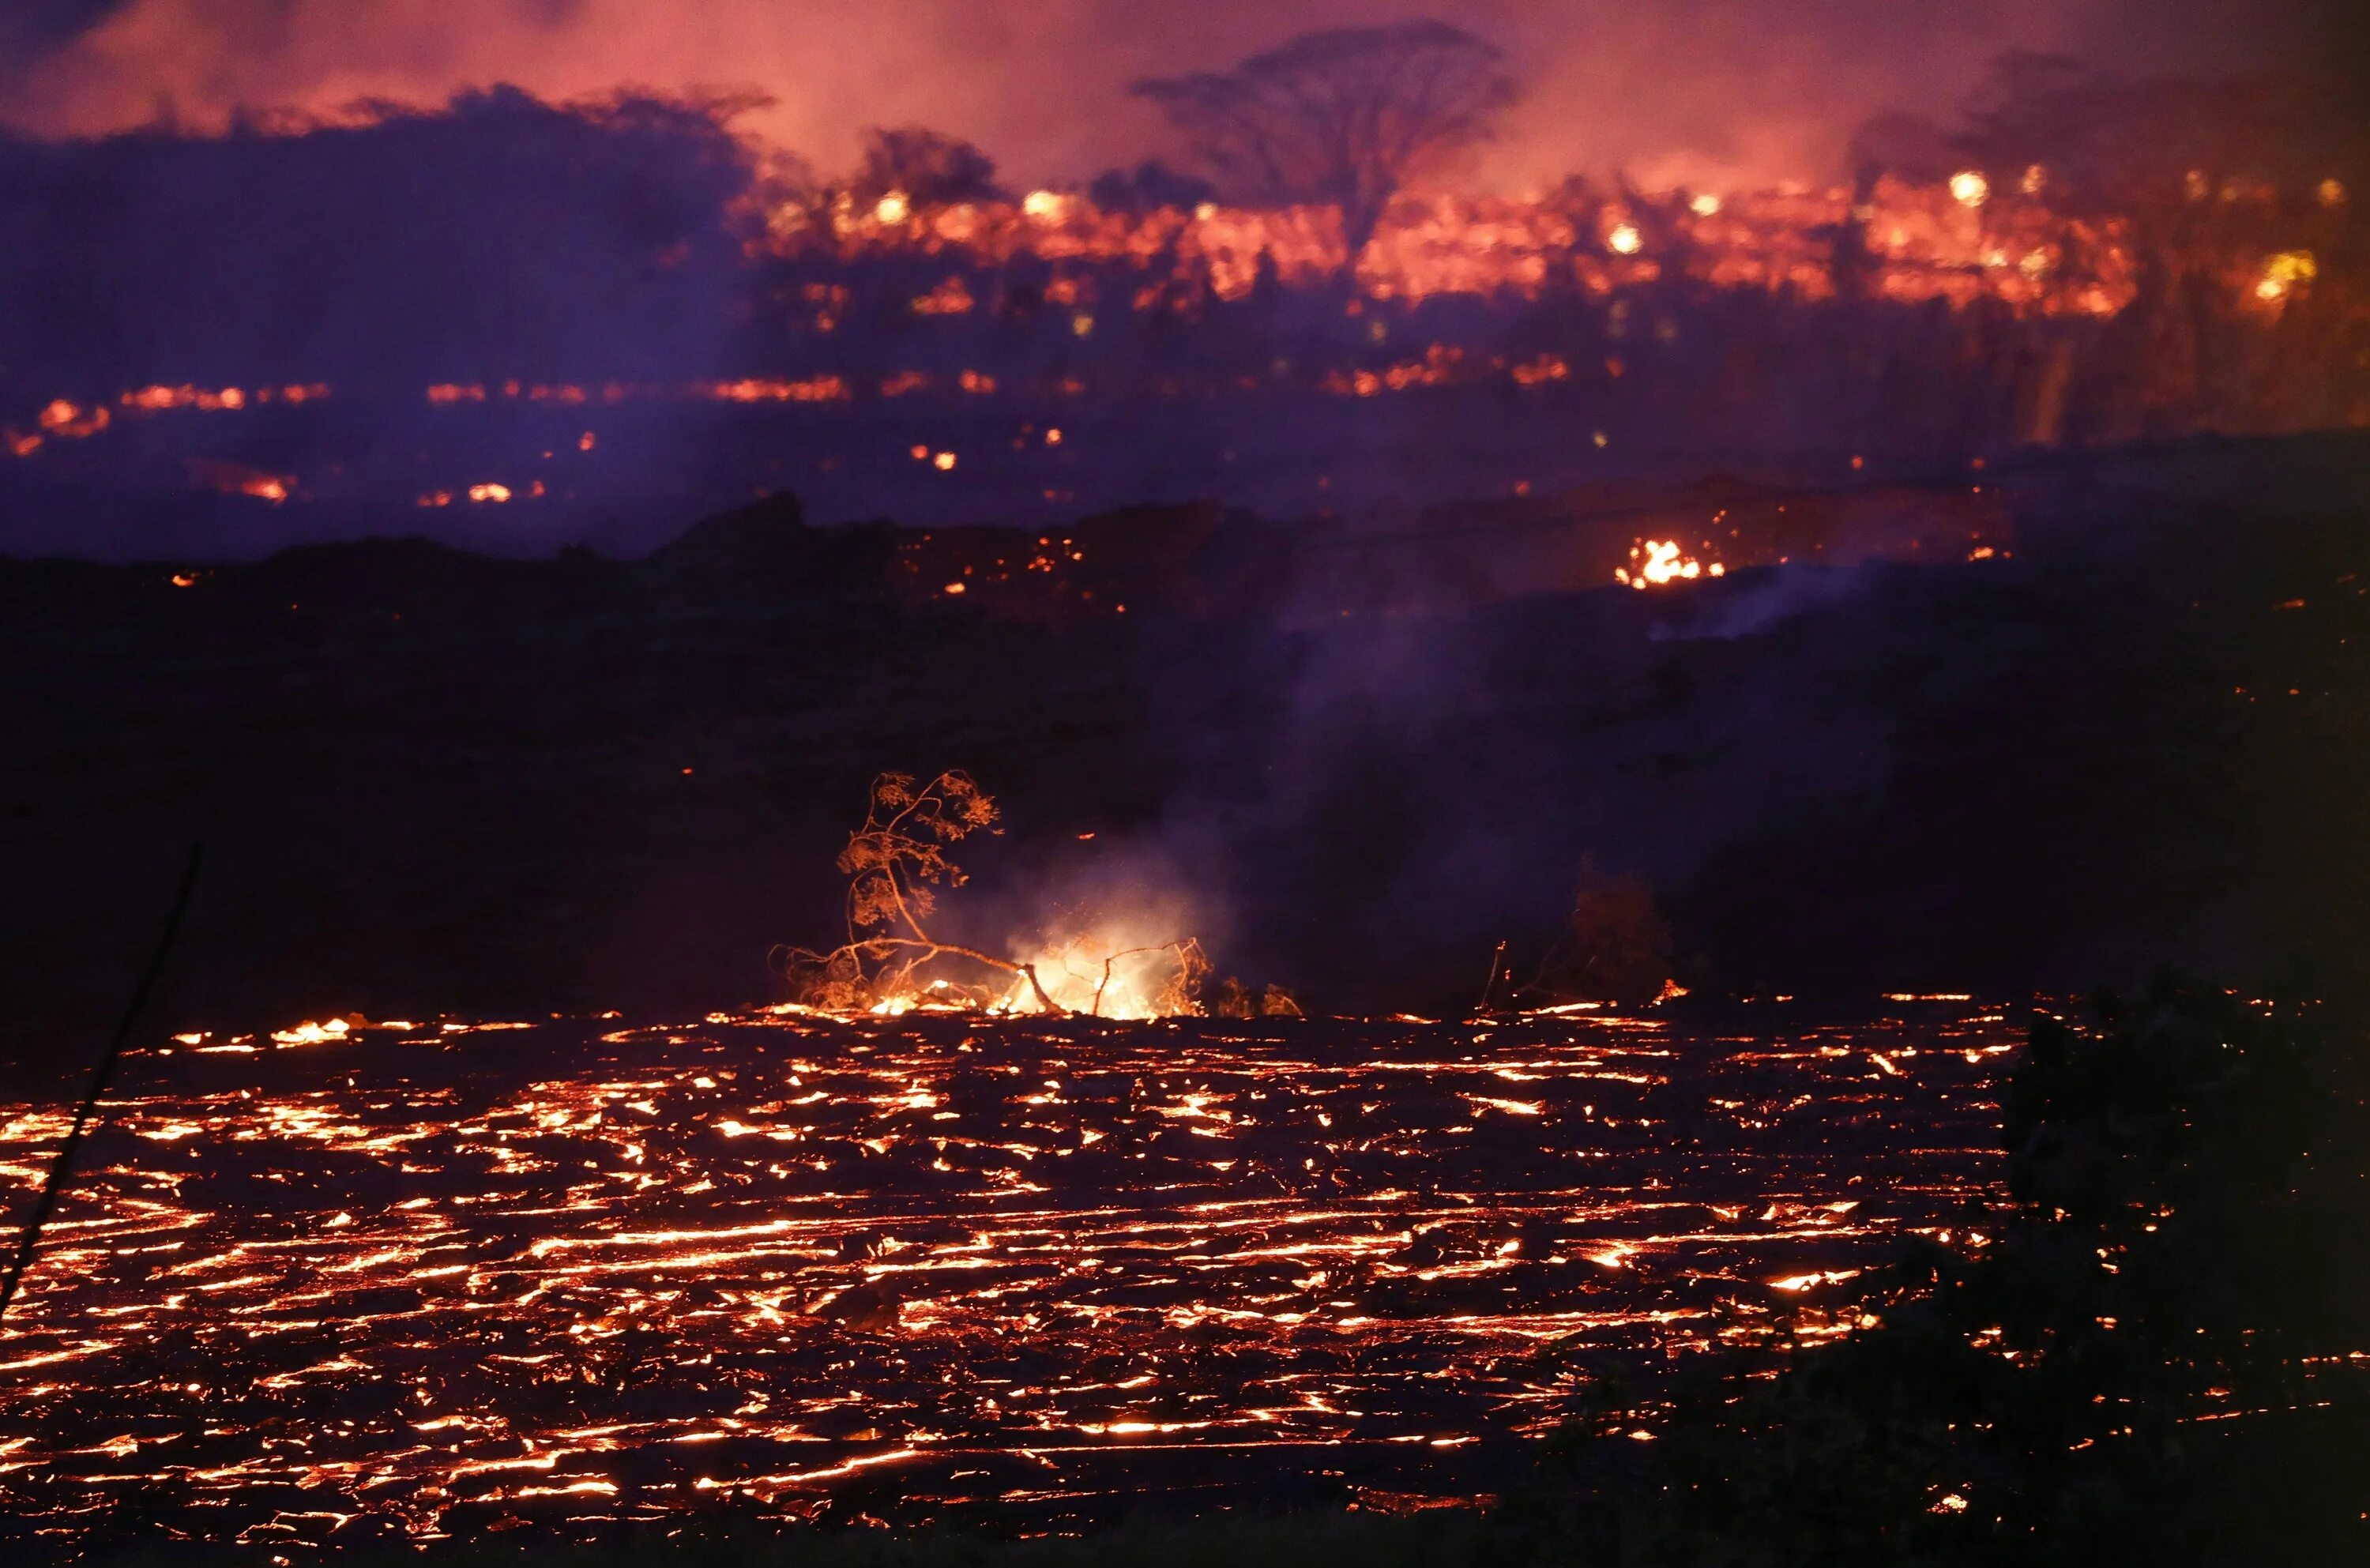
2212, 181
895, 862
1345, 116
925, 168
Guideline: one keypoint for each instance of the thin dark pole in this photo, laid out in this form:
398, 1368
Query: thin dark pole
65, 1161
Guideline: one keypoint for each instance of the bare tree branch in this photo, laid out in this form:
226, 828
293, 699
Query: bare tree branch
1345, 117
894, 861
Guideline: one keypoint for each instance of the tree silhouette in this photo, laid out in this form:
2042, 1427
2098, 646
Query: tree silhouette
2131, 148
894, 861
1346, 116
1149, 186
928, 167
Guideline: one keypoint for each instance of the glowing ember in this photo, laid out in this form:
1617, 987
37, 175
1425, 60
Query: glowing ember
403, 1280
1969, 189
2284, 271
1661, 561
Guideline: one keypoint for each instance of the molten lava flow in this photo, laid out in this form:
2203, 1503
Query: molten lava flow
352, 1280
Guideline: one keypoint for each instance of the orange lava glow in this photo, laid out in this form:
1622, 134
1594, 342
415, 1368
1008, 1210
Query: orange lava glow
352, 1281
1955, 240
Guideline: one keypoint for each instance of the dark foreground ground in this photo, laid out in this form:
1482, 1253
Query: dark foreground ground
1352, 756
1440, 1538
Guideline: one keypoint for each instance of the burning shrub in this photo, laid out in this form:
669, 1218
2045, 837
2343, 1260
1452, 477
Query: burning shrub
1089, 975
1235, 1000
895, 862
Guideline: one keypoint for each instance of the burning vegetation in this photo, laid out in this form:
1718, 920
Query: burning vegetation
896, 862
2078, 260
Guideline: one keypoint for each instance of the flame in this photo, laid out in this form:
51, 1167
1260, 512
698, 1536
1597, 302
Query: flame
61, 417
2284, 271
1956, 241
1661, 562
1928, 234
1103, 975
1951, 242
811, 389
952, 298
313, 1033
234, 479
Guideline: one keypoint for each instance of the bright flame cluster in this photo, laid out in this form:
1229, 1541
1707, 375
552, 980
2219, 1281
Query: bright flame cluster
1661, 562
2282, 272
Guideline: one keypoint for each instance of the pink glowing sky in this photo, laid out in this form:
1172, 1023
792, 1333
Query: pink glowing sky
1708, 91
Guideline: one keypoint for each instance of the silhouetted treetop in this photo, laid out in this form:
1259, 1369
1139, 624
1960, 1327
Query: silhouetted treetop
2103, 139
1149, 186
931, 168
1347, 116
1898, 142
